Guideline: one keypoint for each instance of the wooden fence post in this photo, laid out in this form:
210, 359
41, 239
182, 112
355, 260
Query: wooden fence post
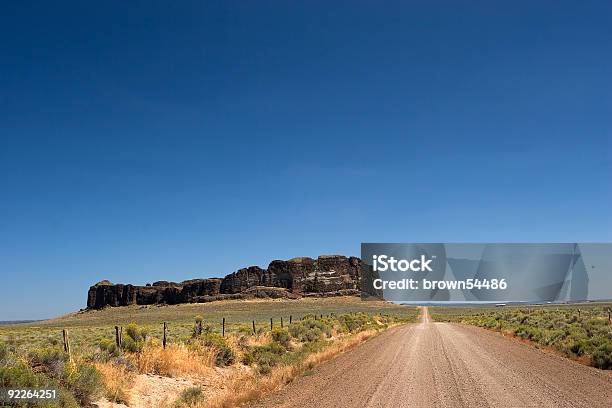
290, 318
223, 328
271, 324
67, 344
579, 313
164, 338
117, 337
254, 332
281, 322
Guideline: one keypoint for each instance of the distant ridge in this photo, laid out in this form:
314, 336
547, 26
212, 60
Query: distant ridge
7, 322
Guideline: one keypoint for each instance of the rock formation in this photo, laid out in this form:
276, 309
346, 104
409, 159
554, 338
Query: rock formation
328, 275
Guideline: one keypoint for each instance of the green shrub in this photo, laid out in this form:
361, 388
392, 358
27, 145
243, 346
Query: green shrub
302, 352
225, 355
22, 376
66, 399
282, 337
107, 345
82, 380
190, 396
313, 334
266, 360
313, 347
5, 355
298, 331
49, 361
272, 347
128, 344
266, 356
552, 337
602, 356
137, 333
323, 326
108, 350
308, 330
577, 346
355, 322
248, 358
85, 383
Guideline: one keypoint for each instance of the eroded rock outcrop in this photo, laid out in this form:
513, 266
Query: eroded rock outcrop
328, 275
245, 278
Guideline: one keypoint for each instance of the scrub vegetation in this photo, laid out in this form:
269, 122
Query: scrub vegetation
78, 382
88, 327
250, 363
582, 332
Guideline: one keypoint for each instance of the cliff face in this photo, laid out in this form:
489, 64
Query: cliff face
327, 275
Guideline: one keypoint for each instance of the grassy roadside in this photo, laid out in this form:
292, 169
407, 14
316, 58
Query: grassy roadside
220, 371
580, 332
301, 355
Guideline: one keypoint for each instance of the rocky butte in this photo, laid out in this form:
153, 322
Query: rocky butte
328, 275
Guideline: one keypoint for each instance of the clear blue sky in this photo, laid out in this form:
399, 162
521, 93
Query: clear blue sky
146, 140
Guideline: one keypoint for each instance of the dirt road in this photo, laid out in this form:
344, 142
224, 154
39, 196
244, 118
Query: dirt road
447, 365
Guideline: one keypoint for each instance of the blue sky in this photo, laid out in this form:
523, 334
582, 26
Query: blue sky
142, 141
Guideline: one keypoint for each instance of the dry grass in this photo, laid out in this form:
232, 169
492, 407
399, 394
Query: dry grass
241, 387
175, 360
250, 386
117, 382
338, 347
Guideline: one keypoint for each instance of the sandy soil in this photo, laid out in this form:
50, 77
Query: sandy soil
153, 391
446, 365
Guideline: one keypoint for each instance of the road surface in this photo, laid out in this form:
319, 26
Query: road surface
446, 365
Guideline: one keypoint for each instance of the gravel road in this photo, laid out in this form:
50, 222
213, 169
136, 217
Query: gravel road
446, 365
